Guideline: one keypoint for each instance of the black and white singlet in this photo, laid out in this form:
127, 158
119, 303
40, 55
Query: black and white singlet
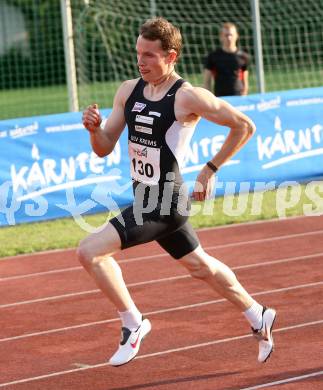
157, 143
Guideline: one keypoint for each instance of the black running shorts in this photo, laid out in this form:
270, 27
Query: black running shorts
173, 232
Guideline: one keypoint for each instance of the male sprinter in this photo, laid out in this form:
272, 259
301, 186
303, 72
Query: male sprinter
161, 111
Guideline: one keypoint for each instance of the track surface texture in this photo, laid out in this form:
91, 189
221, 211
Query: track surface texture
58, 330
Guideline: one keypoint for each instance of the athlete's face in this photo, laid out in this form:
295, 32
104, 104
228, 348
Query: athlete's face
153, 61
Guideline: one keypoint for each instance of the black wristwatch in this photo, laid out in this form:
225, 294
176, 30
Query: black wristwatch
212, 166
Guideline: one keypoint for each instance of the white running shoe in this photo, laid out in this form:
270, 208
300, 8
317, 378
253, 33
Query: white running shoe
130, 343
264, 334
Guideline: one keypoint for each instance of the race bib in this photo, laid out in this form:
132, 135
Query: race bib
144, 163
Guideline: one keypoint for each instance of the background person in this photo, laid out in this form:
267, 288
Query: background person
227, 66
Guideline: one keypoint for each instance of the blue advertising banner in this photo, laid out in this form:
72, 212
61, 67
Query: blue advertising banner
48, 169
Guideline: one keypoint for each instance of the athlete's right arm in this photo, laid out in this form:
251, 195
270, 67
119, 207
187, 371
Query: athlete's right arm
103, 140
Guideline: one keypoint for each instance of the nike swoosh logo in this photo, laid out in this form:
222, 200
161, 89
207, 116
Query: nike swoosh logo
136, 342
170, 94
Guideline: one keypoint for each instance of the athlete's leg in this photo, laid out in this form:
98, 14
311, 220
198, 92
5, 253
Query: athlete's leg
183, 244
219, 276
95, 254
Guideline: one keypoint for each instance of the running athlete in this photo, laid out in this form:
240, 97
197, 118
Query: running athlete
161, 111
227, 66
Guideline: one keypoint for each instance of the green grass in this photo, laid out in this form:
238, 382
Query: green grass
50, 100
16, 103
65, 233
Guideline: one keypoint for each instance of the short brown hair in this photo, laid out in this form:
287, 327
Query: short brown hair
228, 25
160, 28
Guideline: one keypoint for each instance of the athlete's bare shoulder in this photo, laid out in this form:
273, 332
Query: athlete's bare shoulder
188, 93
125, 89
129, 84
183, 103
195, 102
184, 93
185, 87
194, 98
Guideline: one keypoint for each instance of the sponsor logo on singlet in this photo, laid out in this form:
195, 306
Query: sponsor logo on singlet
138, 107
144, 119
155, 113
143, 129
143, 141
141, 152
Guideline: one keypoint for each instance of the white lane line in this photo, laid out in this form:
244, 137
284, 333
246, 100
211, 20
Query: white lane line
283, 220
287, 380
162, 255
229, 245
160, 353
9, 278
87, 292
23, 256
220, 227
48, 299
297, 326
44, 273
81, 365
161, 311
278, 261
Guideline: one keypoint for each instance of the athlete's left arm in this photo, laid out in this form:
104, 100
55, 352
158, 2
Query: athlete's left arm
200, 102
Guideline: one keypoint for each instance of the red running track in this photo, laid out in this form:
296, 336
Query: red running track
57, 329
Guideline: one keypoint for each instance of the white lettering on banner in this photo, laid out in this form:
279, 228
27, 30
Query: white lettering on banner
201, 150
246, 107
304, 102
205, 147
288, 145
35, 152
204, 143
96, 164
18, 132
50, 172
67, 170
114, 158
62, 128
82, 159
266, 105
8, 205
